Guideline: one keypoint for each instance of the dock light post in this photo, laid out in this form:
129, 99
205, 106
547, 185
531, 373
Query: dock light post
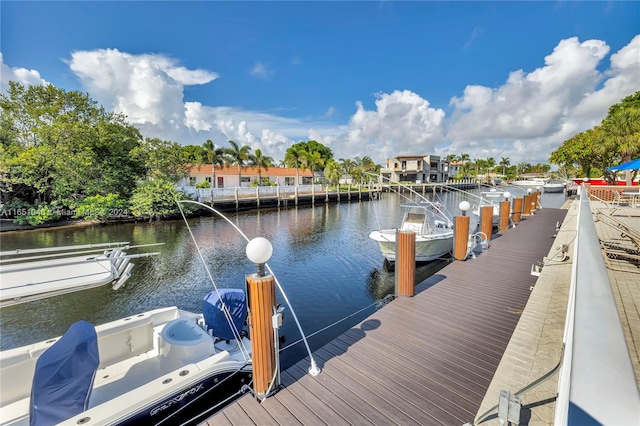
263, 319
505, 211
461, 232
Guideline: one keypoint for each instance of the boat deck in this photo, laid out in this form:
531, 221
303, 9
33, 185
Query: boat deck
428, 359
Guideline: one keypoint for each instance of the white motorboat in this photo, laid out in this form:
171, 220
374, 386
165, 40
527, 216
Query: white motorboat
59, 270
150, 368
530, 182
492, 198
164, 366
554, 185
433, 229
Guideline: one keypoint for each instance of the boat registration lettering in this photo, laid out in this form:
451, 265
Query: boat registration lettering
176, 399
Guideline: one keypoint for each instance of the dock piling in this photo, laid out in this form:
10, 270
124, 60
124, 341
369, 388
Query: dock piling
486, 221
461, 232
405, 263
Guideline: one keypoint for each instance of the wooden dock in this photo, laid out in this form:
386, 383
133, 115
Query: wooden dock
428, 359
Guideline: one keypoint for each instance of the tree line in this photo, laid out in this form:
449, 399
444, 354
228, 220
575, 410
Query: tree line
63, 155
471, 168
614, 141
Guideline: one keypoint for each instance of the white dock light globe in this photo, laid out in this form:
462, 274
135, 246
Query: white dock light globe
259, 250
464, 206
507, 194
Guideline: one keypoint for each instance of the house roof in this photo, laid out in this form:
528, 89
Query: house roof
205, 169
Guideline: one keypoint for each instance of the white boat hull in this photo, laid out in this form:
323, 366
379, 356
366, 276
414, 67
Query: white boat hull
144, 376
428, 247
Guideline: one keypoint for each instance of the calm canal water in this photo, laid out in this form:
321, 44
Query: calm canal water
322, 257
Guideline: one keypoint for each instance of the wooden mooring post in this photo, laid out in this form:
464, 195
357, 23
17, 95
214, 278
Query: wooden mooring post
405, 268
262, 310
486, 221
517, 210
505, 210
527, 205
461, 233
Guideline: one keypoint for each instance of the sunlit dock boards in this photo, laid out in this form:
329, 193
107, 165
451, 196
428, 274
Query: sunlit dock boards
422, 360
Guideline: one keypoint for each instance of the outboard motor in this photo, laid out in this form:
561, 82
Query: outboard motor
214, 317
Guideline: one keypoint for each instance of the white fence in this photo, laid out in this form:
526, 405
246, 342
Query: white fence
258, 192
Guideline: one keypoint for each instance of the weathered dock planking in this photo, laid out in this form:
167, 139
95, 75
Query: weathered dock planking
425, 360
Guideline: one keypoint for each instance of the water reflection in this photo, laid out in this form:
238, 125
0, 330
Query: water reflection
381, 282
322, 257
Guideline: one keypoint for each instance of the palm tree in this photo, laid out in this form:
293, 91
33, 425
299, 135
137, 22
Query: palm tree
449, 158
363, 166
504, 162
332, 172
623, 129
465, 166
347, 166
237, 155
491, 163
293, 158
261, 162
215, 157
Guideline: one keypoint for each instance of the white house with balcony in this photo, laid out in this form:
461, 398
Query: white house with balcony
415, 169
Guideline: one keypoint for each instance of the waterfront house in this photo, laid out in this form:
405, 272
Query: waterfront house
227, 176
415, 169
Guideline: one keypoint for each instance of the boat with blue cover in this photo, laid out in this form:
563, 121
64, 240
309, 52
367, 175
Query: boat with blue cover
156, 367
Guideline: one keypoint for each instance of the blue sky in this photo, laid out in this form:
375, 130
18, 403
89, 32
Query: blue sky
490, 79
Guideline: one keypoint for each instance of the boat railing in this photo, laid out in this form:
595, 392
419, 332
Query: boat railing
597, 384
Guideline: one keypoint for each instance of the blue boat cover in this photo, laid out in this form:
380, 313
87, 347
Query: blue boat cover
214, 317
64, 375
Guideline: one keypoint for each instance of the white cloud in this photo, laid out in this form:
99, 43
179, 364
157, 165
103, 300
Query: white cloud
531, 114
147, 88
403, 123
329, 113
21, 75
261, 70
525, 118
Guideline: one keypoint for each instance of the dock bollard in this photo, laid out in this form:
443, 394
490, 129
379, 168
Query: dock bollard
505, 210
262, 305
405, 263
461, 232
527, 205
517, 210
486, 221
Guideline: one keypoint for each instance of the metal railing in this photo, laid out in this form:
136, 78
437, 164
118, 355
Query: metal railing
597, 384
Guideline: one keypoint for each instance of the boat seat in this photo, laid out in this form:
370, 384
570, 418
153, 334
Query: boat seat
64, 376
214, 317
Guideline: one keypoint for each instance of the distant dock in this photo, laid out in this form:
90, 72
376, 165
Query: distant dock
250, 198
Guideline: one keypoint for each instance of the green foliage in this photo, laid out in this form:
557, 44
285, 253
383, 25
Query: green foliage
164, 160
101, 207
59, 147
155, 199
332, 172
295, 151
615, 140
25, 213
203, 185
